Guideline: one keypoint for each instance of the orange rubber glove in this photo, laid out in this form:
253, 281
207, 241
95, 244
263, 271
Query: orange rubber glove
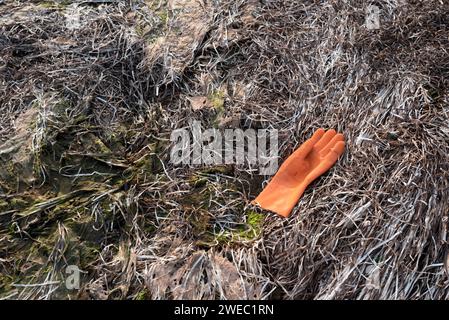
315, 156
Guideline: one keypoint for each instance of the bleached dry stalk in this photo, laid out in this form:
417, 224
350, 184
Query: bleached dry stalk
374, 227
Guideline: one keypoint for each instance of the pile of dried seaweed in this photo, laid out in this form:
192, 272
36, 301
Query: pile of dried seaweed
90, 93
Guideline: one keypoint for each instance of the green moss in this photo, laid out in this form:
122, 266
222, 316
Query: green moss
38, 167
40, 250
150, 163
145, 163
116, 138
152, 4
197, 199
6, 282
11, 168
47, 4
57, 5
163, 16
83, 226
101, 147
254, 221
142, 295
149, 33
88, 252
156, 5
8, 177
3, 205
251, 230
18, 203
223, 169
216, 98
61, 106
11, 229
200, 221
197, 181
140, 30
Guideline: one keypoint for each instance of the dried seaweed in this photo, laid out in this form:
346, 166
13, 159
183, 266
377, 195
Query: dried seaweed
90, 92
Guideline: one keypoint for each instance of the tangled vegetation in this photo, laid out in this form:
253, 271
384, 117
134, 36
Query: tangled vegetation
90, 93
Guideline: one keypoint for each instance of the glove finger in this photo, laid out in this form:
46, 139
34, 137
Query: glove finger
325, 139
301, 152
335, 152
307, 146
338, 137
327, 162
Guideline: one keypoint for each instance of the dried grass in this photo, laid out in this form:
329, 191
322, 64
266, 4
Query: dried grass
110, 91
